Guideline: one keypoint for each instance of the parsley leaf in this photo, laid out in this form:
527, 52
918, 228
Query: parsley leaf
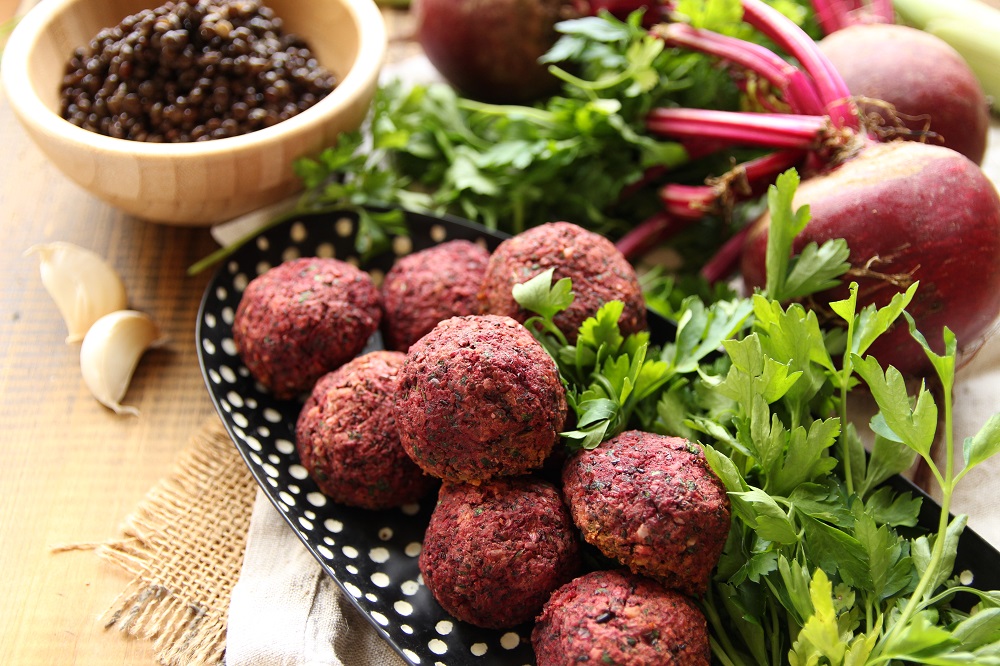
539, 294
817, 267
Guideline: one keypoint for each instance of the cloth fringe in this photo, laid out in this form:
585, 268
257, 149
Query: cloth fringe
184, 545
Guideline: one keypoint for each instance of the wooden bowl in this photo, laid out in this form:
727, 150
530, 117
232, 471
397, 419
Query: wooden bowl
198, 183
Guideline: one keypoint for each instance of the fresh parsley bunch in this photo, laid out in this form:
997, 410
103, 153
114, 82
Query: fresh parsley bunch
614, 382
582, 155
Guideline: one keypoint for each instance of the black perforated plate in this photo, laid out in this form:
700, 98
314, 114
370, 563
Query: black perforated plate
372, 555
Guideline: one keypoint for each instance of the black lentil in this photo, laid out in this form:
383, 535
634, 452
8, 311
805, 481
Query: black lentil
192, 71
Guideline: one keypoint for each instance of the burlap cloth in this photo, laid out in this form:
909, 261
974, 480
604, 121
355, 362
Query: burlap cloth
212, 560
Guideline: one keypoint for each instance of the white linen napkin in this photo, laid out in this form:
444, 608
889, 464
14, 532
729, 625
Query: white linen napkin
286, 611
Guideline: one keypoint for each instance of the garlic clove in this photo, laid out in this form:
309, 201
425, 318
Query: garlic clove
111, 351
83, 285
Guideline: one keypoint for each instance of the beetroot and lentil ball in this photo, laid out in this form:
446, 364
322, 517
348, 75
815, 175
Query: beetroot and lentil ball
478, 397
429, 286
600, 273
347, 440
618, 617
493, 553
303, 318
653, 503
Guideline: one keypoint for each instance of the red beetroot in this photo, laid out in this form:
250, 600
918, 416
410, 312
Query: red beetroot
926, 84
489, 49
910, 212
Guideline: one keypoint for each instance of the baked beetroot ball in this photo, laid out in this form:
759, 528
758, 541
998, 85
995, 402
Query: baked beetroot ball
653, 503
429, 286
303, 318
347, 440
621, 618
493, 553
600, 273
478, 397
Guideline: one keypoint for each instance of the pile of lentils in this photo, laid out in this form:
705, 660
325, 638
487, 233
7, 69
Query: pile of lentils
191, 72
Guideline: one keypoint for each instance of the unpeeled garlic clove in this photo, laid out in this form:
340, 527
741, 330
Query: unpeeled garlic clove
111, 351
83, 285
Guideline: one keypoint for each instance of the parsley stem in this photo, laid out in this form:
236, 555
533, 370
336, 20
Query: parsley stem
227, 250
949, 438
540, 116
719, 653
722, 648
776, 636
845, 450
588, 87
951, 592
916, 601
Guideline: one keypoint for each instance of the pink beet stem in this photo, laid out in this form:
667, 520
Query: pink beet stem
765, 169
836, 15
648, 233
766, 103
724, 262
882, 10
745, 180
773, 130
655, 11
830, 85
795, 86
831, 14
689, 202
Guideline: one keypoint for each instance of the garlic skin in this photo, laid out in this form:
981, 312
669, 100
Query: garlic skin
111, 351
83, 285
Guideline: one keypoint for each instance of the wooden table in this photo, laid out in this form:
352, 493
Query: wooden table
71, 470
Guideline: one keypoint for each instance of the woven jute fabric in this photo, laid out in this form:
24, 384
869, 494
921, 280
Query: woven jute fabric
184, 546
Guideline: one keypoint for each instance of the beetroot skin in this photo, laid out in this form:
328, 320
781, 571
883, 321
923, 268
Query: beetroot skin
921, 76
489, 49
916, 212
